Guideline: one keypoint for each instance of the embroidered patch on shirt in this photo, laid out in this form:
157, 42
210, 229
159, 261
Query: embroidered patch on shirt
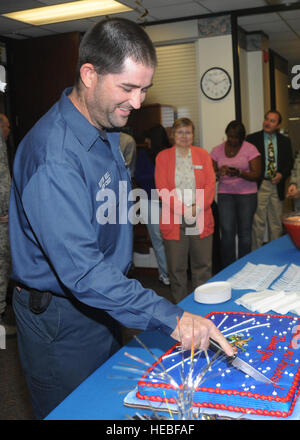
105, 180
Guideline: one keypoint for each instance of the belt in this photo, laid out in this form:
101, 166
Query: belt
38, 301
21, 286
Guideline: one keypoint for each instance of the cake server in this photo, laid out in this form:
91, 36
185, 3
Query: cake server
239, 363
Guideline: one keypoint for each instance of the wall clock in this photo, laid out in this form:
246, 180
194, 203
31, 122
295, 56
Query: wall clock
215, 83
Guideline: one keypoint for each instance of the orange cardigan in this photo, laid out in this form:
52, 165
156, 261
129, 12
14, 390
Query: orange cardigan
204, 179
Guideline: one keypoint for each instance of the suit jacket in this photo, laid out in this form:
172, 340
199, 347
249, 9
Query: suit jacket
205, 178
284, 158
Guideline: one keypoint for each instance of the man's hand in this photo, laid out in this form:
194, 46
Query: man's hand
203, 330
292, 192
277, 178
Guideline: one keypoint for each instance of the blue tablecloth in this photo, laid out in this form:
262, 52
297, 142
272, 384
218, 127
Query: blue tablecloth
100, 396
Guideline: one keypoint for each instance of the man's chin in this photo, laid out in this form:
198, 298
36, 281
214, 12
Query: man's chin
114, 126
120, 122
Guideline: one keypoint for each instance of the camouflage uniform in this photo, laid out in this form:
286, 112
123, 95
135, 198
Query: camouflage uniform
4, 238
128, 150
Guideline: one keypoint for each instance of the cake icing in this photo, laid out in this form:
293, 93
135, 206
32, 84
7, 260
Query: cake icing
270, 343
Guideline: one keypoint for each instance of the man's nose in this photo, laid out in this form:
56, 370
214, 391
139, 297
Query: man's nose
136, 99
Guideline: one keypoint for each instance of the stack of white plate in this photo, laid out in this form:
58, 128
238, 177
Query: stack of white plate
213, 293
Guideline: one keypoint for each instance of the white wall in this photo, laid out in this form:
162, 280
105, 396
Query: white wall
214, 115
171, 32
255, 91
244, 87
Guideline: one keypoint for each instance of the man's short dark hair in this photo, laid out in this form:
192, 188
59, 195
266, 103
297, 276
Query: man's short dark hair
277, 113
109, 42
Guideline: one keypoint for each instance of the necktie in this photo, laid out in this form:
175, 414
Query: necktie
271, 170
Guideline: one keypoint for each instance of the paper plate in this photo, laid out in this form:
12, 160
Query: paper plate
213, 293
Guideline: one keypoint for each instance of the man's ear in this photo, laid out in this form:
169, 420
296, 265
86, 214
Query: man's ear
88, 74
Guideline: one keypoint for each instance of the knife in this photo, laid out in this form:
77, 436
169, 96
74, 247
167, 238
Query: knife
239, 363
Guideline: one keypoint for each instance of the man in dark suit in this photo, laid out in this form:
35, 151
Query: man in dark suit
277, 162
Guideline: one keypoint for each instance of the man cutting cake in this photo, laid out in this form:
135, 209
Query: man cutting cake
69, 265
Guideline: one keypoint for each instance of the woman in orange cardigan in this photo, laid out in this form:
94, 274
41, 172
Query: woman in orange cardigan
186, 184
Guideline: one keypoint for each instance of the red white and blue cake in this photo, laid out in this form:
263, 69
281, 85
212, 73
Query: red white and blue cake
269, 343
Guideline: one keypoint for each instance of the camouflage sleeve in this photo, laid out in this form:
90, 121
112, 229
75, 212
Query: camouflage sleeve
4, 178
128, 149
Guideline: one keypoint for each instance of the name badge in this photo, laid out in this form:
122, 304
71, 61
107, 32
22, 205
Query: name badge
198, 167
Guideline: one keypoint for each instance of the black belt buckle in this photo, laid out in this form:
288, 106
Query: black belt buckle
39, 301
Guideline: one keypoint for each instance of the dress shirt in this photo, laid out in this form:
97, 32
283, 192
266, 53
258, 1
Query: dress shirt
62, 170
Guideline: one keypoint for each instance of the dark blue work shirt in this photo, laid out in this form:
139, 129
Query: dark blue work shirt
60, 238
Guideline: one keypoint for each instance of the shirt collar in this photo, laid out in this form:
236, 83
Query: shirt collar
183, 157
85, 132
267, 135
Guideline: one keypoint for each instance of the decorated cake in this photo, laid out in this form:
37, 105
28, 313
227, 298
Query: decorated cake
269, 343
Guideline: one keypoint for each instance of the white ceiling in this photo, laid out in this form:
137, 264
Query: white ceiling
283, 28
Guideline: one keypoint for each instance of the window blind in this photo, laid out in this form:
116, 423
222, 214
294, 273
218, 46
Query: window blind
176, 83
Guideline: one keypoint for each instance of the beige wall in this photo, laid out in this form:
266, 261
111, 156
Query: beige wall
282, 98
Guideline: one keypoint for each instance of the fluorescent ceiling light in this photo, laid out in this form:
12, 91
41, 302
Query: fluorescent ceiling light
68, 11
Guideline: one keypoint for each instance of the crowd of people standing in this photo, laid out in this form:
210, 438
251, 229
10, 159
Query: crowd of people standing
246, 174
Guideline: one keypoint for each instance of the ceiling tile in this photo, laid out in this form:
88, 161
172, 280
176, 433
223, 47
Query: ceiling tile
180, 10
279, 33
131, 15
160, 3
69, 26
8, 25
53, 2
276, 27
291, 14
17, 5
221, 5
258, 18
35, 31
295, 24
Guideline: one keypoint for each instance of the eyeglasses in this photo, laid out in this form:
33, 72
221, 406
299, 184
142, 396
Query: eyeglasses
183, 133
